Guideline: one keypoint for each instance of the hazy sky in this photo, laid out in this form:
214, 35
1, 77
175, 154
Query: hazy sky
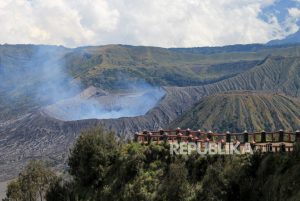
166, 23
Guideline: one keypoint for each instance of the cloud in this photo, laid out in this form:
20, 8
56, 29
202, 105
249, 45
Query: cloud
290, 24
294, 12
168, 23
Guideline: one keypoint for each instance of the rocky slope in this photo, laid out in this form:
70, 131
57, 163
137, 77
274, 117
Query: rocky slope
280, 74
240, 110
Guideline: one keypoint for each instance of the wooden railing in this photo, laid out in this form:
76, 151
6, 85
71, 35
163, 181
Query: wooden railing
278, 140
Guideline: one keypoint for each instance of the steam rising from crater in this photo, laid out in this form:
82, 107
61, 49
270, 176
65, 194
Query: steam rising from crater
42, 79
95, 103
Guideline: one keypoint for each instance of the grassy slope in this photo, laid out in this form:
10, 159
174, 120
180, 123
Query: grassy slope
236, 111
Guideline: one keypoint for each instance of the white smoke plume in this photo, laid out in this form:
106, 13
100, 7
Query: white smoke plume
38, 78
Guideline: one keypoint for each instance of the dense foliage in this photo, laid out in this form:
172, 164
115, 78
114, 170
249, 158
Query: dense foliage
32, 183
106, 169
102, 167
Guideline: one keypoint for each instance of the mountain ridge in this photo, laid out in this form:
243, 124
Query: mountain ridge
237, 111
291, 39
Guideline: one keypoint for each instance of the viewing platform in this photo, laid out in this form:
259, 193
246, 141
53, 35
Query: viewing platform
278, 141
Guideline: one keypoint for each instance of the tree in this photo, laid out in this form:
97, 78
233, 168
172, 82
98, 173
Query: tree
175, 185
91, 159
13, 192
214, 184
31, 184
62, 189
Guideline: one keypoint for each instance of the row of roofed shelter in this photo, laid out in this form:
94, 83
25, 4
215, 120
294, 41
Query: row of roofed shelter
266, 141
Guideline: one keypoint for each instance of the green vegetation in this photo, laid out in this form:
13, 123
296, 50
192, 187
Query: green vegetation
32, 183
102, 167
107, 66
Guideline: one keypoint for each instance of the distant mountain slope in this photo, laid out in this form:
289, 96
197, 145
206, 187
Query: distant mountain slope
238, 48
237, 111
224, 49
99, 66
166, 67
280, 74
291, 39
